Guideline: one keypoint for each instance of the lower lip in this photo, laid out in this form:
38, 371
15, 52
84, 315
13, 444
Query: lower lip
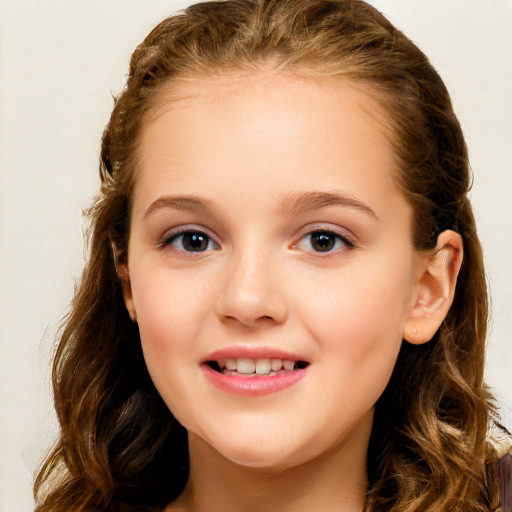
252, 386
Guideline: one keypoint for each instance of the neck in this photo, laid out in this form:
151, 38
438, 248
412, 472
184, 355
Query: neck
334, 481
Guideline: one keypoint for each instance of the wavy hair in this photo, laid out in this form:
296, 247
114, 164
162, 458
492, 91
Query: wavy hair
120, 449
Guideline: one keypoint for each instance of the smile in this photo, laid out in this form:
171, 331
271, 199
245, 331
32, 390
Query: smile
251, 371
247, 367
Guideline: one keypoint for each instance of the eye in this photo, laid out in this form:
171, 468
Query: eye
191, 241
323, 241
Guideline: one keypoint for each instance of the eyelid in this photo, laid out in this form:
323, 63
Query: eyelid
174, 232
346, 238
341, 232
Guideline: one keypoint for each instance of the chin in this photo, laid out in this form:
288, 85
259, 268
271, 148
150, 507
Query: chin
265, 452
257, 458
267, 462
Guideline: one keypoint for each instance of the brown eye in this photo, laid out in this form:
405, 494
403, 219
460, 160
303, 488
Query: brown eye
195, 242
192, 241
323, 241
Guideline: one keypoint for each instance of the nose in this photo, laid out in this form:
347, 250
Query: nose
252, 292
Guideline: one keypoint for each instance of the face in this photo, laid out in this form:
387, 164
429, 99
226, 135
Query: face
270, 266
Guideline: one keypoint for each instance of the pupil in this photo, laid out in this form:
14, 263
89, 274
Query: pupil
195, 242
322, 242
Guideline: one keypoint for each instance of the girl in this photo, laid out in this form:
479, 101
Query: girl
284, 306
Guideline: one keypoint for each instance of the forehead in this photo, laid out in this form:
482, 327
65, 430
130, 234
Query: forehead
295, 91
286, 129
289, 96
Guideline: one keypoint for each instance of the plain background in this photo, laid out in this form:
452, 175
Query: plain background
60, 61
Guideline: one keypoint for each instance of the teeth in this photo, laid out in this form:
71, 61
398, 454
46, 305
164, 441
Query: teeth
276, 364
230, 363
263, 366
244, 365
247, 366
288, 365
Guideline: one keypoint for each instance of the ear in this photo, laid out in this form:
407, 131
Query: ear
123, 273
435, 288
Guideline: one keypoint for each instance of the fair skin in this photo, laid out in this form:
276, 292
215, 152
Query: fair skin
267, 224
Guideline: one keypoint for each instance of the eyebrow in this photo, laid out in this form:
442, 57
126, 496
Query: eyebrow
180, 203
306, 201
291, 204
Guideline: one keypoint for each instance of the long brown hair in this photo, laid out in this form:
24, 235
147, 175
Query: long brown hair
120, 447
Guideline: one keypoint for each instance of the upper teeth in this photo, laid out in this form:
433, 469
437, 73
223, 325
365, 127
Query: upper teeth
255, 366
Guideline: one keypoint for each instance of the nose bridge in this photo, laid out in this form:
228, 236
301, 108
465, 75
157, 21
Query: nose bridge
250, 290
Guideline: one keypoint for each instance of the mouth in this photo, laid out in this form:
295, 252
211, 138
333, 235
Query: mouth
247, 367
254, 371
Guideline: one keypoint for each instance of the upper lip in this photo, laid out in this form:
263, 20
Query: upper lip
253, 352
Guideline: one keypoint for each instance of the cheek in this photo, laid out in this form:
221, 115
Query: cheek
363, 301
167, 304
169, 317
358, 323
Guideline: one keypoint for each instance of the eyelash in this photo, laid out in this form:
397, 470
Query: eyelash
322, 231
173, 237
169, 239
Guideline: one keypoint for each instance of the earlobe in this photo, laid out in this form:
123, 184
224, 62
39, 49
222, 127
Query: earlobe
435, 288
123, 273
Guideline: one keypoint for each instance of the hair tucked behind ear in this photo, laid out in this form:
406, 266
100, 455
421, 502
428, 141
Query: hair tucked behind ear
120, 447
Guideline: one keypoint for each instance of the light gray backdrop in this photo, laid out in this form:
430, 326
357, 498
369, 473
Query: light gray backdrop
59, 60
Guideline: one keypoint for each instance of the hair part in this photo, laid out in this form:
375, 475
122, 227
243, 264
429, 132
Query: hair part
120, 447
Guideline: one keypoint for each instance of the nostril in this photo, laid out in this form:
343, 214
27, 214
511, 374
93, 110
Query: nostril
251, 300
